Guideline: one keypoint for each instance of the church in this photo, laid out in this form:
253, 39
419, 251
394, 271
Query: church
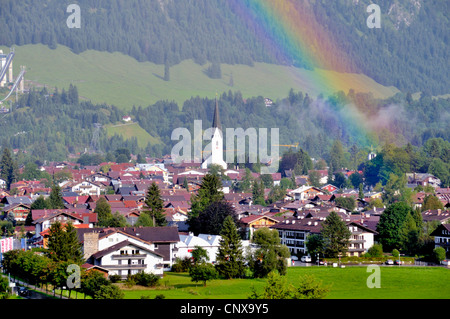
216, 156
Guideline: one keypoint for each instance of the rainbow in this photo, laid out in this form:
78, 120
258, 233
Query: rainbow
293, 33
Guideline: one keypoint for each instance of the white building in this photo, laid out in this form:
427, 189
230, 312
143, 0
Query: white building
216, 156
210, 243
86, 188
127, 251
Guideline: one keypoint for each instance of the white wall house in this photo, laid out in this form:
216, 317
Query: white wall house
128, 258
189, 242
361, 239
127, 251
442, 237
86, 188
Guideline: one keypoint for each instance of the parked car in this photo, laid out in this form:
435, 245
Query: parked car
389, 262
398, 262
306, 259
24, 292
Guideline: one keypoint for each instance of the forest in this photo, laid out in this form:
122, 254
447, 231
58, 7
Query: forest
409, 52
51, 126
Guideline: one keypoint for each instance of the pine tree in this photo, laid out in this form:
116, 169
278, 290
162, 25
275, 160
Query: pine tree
230, 256
336, 235
154, 206
63, 244
8, 168
166, 71
103, 211
55, 198
258, 193
209, 192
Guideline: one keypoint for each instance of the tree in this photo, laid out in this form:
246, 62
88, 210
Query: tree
431, 202
203, 272
390, 225
230, 259
346, 202
277, 288
154, 206
95, 285
337, 155
5, 290
211, 220
314, 178
199, 255
8, 168
55, 199
63, 244
270, 255
166, 71
315, 245
246, 182
439, 254
103, 211
258, 193
144, 220
40, 203
209, 192
375, 251
336, 235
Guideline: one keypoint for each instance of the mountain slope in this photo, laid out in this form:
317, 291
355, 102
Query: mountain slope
410, 51
120, 80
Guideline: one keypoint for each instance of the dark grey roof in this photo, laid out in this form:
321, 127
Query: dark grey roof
148, 234
12, 200
117, 246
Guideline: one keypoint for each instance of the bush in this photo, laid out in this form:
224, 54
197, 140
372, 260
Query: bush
438, 254
115, 278
375, 251
182, 265
395, 253
145, 279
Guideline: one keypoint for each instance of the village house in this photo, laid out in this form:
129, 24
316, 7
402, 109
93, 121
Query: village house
254, 222
305, 192
442, 237
129, 250
19, 211
295, 231
85, 188
422, 179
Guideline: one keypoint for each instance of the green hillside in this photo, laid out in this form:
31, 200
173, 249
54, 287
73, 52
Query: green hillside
117, 79
129, 130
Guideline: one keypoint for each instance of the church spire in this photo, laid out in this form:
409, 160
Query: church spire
216, 119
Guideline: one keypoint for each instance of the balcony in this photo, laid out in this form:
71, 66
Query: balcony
125, 266
129, 256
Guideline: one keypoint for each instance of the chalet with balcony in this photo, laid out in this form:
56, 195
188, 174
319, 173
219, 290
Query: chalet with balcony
128, 250
442, 237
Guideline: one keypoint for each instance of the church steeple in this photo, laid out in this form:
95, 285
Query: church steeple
216, 119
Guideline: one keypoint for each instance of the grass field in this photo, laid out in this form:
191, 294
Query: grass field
345, 283
130, 130
115, 78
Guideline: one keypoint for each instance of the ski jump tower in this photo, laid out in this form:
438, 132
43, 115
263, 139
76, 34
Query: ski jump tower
6, 67
6, 74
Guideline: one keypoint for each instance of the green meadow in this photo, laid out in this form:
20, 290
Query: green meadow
117, 79
129, 130
344, 283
